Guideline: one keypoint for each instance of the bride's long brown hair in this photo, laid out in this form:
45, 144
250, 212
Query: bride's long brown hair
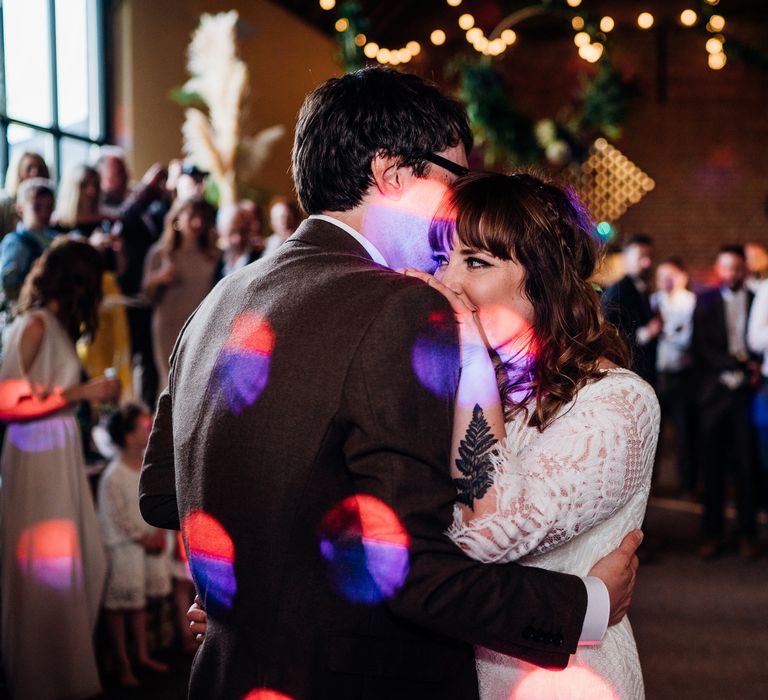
546, 230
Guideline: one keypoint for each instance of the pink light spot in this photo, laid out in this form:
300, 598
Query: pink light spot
366, 548
572, 683
50, 552
211, 554
266, 694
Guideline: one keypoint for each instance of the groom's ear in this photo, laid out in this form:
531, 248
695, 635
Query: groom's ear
389, 175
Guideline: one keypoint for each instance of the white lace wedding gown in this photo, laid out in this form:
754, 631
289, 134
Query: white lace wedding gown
566, 498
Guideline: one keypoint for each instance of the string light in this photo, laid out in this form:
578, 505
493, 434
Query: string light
383, 56
577, 23
342, 24
360, 40
606, 24
327, 4
371, 50
581, 39
574, 3
509, 37
714, 45
713, 2
716, 61
454, 3
414, 47
497, 47
437, 37
481, 44
474, 34
716, 23
688, 18
466, 21
645, 20
591, 52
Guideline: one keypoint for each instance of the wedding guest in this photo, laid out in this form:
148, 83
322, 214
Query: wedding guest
114, 180
757, 338
284, 218
138, 564
256, 237
24, 165
78, 207
139, 227
675, 303
235, 227
178, 273
627, 305
20, 248
757, 265
724, 397
53, 565
188, 181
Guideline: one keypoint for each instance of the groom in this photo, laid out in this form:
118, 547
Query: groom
303, 442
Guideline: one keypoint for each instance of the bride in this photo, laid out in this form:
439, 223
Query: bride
553, 468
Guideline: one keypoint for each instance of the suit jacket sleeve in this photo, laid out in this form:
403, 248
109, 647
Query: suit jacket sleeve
399, 421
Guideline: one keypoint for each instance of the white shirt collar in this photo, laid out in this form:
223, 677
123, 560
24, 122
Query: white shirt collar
371, 249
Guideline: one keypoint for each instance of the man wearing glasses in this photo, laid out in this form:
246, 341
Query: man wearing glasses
332, 482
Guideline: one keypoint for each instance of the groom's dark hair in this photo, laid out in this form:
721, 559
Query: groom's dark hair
347, 121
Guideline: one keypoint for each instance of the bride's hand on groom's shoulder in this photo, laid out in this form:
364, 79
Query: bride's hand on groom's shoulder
198, 620
474, 344
618, 571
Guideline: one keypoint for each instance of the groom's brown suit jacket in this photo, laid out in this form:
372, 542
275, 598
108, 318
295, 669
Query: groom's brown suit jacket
357, 399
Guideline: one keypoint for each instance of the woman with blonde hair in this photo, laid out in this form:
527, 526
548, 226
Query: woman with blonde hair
78, 205
178, 273
24, 165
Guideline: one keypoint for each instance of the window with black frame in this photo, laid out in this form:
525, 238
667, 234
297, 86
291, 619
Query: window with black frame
52, 97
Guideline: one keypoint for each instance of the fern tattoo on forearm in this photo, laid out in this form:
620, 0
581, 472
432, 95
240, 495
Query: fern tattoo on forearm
474, 460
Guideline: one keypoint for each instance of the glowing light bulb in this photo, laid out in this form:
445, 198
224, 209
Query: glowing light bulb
394, 58
466, 21
581, 39
481, 44
414, 47
474, 34
716, 23
714, 45
497, 47
454, 3
577, 23
606, 24
360, 40
716, 60
712, 2
383, 55
342, 24
437, 37
327, 4
509, 37
645, 20
371, 50
574, 3
404, 55
688, 18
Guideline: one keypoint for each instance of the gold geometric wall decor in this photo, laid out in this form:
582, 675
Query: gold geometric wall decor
609, 183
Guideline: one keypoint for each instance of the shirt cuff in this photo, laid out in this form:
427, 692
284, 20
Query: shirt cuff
598, 611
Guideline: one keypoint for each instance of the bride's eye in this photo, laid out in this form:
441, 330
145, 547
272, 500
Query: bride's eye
473, 262
439, 259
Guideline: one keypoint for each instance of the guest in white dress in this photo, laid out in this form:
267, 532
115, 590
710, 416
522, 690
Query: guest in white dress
53, 564
138, 562
552, 464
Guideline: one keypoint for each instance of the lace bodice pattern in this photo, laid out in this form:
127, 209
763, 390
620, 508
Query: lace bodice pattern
588, 475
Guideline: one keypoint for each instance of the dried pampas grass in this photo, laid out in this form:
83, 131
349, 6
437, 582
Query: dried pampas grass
214, 140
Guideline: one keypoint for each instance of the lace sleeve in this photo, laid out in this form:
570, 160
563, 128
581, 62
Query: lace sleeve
578, 472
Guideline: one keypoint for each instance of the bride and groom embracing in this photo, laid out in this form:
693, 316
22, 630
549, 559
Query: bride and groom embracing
335, 433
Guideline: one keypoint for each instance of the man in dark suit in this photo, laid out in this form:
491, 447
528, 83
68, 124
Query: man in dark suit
723, 373
305, 438
626, 305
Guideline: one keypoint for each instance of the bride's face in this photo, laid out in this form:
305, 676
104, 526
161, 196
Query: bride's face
496, 287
